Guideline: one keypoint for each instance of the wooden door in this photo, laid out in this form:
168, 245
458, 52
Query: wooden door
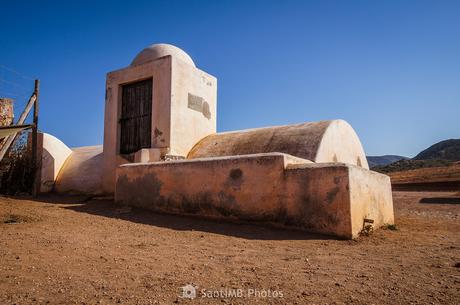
136, 116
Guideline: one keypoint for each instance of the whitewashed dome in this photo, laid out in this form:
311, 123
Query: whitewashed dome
156, 51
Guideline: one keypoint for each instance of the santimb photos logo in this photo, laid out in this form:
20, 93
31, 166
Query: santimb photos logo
190, 291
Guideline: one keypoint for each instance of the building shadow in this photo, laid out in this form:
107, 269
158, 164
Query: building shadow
243, 229
440, 200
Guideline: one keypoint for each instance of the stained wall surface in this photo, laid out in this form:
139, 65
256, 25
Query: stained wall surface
326, 198
183, 109
160, 72
337, 197
193, 107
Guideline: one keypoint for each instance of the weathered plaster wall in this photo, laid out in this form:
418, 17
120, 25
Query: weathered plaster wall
193, 106
53, 153
210, 186
318, 196
370, 187
160, 71
82, 172
324, 141
337, 197
270, 187
178, 119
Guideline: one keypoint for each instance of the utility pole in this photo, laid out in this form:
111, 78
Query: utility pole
35, 162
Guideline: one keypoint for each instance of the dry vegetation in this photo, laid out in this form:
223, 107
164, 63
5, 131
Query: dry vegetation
16, 168
427, 175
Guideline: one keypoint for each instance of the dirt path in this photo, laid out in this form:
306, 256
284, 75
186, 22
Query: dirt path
59, 251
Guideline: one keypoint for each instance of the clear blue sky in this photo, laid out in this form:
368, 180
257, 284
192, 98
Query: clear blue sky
390, 68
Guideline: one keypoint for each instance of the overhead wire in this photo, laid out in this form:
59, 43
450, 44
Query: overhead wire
16, 72
14, 86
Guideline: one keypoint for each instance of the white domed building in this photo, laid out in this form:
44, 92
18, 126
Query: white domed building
161, 152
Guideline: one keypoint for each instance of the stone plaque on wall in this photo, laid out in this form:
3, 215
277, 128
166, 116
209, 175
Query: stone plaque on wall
198, 103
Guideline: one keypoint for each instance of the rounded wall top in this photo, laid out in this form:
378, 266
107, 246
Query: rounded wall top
320, 142
156, 51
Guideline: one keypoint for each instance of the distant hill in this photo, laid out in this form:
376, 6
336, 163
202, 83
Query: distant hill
444, 150
409, 164
383, 160
444, 153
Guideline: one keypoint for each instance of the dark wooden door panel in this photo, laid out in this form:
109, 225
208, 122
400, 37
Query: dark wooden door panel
136, 116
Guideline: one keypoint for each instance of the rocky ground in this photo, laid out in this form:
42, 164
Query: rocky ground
61, 250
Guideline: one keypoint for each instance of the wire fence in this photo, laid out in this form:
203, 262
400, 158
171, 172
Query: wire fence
17, 86
16, 171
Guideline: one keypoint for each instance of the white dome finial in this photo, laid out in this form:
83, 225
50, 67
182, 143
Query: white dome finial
156, 51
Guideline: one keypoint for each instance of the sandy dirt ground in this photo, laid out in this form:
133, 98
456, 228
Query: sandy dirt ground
61, 250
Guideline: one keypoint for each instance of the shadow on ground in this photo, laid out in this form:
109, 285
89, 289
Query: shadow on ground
441, 200
105, 207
